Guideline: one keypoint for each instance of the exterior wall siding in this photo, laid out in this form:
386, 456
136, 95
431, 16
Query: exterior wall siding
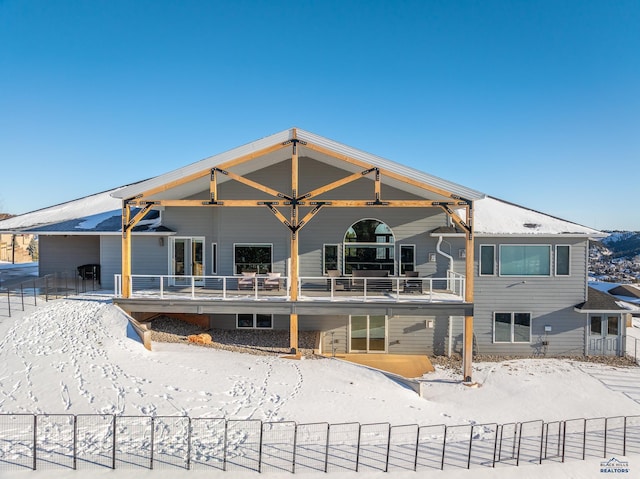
65, 253
550, 301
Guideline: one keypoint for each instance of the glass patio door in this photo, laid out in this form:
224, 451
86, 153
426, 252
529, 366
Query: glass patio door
368, 334
187, 259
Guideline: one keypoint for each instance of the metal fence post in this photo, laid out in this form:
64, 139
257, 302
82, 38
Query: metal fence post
470, 445
358, 447
224, 448
259, 445
444, 445
75, 442
295, 443
624, 437
604, 453
188, 443
113, 446
153, 427
415, 461
35, 440
386, 464
9, 302
326, 449
22, 295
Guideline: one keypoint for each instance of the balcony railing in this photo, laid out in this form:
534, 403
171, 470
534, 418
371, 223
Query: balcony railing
310, 288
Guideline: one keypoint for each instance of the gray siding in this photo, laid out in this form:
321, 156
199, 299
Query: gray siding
149, 256
65, 253
550, 301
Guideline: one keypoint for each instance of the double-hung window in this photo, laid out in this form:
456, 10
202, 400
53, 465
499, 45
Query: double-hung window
511, 327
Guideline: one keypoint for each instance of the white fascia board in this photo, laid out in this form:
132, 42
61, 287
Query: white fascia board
202, 165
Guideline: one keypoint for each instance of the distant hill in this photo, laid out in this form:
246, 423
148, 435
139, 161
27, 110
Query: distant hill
623, 244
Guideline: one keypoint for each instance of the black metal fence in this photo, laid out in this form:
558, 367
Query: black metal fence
44, 288
54, 441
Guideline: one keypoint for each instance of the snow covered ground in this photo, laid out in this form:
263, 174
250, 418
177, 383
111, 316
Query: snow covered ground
76, 356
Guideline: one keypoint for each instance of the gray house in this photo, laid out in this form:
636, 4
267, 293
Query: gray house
299, 232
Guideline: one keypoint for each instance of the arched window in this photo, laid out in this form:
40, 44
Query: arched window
369, 244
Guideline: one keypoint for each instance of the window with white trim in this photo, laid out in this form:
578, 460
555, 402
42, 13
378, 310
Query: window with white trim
487, 260
254, 258
525, 260
254, 321
214, 258
329, 257
511, 327
407, 258
563, 255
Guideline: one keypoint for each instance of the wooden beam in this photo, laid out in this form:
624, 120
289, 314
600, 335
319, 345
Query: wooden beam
469, 285
194, 203
128, 224
335, 184
253, 184
293, 274
126, 251
390, 174
203, 173
213, 185
377, 185
385, 203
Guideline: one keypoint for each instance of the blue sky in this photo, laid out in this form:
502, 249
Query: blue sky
534, 102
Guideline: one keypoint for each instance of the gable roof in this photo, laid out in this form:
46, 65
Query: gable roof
338, 150
492, 216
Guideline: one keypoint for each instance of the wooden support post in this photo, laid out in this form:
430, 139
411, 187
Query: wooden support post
293, 274
126, 250
468, 297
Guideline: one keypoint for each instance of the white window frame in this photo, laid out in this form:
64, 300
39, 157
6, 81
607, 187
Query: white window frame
512, 314
412, 246
270, 245
555, 260
214, 258
255, 321
338, 254
526, 275
493, 268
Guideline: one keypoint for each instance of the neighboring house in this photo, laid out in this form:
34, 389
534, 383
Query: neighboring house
17, 248
298, 232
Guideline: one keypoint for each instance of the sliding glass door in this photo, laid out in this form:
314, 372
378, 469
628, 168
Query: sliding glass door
368, 334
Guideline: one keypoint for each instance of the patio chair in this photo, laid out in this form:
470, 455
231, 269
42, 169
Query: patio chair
412, 285
272, 281
337, 284
247, 281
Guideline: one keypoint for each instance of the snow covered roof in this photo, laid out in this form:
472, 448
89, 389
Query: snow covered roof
100, 213
71, 210
493, 216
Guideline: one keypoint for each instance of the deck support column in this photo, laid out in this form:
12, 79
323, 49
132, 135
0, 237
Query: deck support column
293, 274
467, 355
126, 251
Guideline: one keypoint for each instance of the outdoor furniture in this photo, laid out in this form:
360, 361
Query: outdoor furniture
412, 285
89, 271
374, 280
247, 281
338, 285
272, 281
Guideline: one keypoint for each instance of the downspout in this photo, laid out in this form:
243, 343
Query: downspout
446, 255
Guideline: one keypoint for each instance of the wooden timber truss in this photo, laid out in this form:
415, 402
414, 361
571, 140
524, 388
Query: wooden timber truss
294, 201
